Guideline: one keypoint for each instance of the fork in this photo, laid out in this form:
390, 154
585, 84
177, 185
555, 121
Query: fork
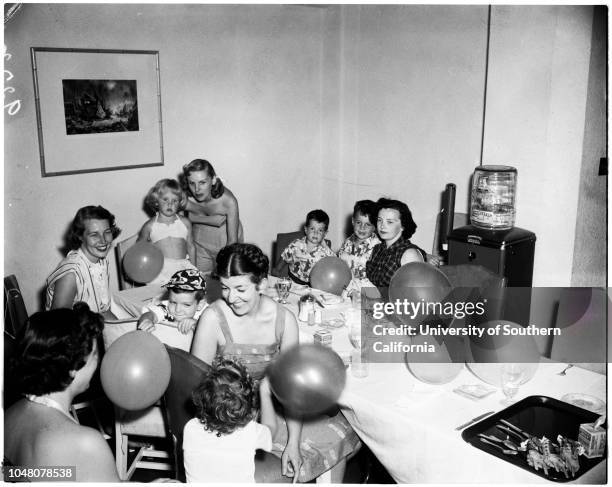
564, 371
503, 450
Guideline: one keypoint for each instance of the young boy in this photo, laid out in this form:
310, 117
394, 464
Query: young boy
179, 314
303, 253
219, 443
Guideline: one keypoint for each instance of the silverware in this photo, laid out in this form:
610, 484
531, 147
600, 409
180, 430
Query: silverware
564, 371
515, 428
473, 420
503, 450
507, 443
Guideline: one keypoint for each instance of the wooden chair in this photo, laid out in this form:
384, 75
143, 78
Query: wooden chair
120, 250
148, 426
186, 374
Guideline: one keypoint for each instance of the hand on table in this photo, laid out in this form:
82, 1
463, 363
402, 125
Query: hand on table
186, 325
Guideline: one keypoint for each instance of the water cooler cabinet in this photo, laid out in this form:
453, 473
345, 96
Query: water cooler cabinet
508, 253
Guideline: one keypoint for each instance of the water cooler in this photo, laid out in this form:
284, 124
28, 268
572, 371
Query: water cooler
493, 242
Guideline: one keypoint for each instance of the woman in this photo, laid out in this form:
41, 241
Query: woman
83, 275
213, 211
250, 326
55, 359
395, 227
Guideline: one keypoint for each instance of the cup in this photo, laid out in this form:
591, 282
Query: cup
360, 368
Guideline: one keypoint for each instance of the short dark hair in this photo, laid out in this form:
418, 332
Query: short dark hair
77, 227
202, 165
405, 216
366, 208
319, 216
240, 259
227, 398
51, 345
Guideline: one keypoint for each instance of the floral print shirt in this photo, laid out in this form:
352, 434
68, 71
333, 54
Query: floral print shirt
301, 260
356, 253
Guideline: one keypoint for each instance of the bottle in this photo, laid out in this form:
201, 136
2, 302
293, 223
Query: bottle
493, 197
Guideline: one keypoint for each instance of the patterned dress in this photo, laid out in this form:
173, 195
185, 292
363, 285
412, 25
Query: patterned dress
384, 261
92, 280
356, 253
325, 439
301, 266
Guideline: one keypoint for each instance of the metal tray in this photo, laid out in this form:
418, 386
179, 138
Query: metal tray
539, 416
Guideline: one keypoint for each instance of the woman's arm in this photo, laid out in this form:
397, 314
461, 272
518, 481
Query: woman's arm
64, 292
268, 416
197, 214
206, 337
411, 255
191, 250
92, 457
233, 219
291, 459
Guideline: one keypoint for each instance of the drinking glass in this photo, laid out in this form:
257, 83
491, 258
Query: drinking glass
359, 365
511, 378
283, 285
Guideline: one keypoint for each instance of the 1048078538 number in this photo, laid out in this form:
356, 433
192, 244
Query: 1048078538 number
15, 473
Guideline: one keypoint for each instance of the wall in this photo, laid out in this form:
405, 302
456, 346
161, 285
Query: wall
309, 106
412, 81
535, 119
241, 86
590, 243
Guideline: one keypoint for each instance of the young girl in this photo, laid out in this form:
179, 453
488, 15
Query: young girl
356, 249
219, 443
168, 230
213, 211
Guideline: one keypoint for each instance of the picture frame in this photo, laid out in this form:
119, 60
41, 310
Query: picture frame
97, 109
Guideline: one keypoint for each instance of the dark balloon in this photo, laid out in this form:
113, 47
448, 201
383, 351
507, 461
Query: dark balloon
142, 262
331, 275
135, 370
307, 379
418, 282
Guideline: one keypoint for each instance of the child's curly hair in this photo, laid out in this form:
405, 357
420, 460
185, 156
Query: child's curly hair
155, 193
227, 398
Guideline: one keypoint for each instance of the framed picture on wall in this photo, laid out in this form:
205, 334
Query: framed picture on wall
97, 109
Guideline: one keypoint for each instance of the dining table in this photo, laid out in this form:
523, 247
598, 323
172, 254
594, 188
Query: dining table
410, 425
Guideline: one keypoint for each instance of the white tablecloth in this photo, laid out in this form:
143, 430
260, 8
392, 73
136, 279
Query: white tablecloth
410, 425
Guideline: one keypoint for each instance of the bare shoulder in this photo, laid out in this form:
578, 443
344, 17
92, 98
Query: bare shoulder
185, 221
228, 199
411, 255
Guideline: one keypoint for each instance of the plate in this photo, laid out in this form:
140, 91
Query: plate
584, 401
539, 416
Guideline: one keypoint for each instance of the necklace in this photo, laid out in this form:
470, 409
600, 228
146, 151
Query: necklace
48, 402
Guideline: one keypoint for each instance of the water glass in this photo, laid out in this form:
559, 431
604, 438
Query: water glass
511, 377
283, 285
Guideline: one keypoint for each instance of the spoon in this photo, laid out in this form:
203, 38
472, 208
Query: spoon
564, 371
503, 450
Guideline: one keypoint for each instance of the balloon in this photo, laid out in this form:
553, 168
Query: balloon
418, 282
135, 370
436, 367
142, 262
331, 275
488, 354
307, 379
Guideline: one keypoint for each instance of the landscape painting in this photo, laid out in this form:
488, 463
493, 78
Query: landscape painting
96, 106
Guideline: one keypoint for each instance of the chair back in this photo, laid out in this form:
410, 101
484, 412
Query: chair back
279, 266
186, 373
15, 313
120, 249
